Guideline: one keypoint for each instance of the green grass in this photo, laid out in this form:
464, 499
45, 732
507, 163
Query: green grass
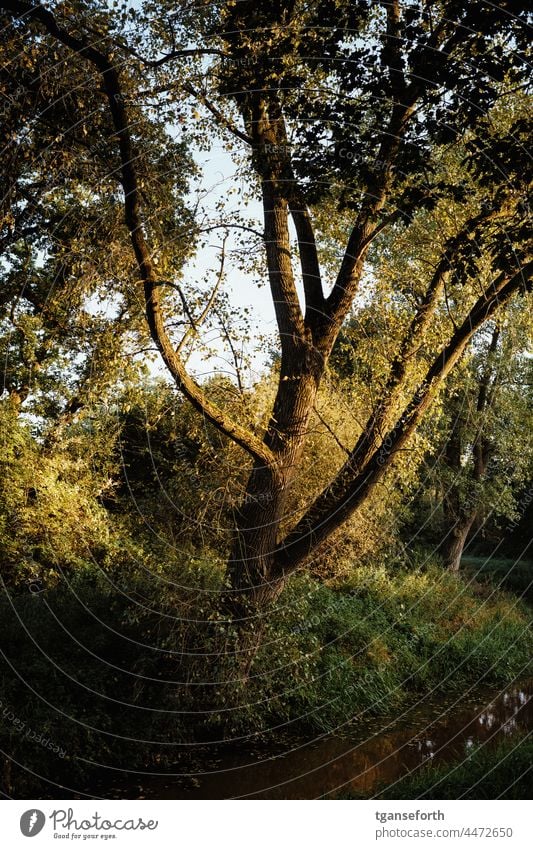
499, 772
372, 643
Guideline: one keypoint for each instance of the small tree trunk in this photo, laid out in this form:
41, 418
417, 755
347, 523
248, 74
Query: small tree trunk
453, 545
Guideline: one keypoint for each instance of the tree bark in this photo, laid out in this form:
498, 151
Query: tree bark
452, 546
254, 575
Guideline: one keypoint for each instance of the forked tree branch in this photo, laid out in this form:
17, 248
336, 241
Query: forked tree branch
222, 120
405, 96
413, 339
311, 275
364, 231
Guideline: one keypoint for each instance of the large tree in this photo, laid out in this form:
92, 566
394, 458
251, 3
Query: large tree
340, 107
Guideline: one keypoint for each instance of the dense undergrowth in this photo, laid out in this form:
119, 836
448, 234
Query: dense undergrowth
132, 676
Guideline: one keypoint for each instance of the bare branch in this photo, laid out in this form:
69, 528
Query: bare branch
222, 119
196, 324
330, 430
235, 356
178, 53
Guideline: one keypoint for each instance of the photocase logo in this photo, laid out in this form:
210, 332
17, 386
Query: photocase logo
32, 822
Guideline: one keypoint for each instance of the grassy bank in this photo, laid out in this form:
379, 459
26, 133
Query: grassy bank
368, 645
100, 678
501, 772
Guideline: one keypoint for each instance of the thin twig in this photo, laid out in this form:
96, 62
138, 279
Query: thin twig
196, 324
225, 122
331, 432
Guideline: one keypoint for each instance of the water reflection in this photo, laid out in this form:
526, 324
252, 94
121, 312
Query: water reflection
382, 753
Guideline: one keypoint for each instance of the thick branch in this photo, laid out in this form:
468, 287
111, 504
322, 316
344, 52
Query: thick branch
482, 447
243, 437
404, 99
412, 341
341, 296
351, 486
391, 54
426, 310
311, 277
278, 250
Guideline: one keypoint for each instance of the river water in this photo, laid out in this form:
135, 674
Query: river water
358, 761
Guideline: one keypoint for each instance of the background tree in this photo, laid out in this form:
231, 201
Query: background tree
484, 458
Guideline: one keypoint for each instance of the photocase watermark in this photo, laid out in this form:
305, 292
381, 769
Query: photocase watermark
307, 625
20, 727
12, 101
35, 586
259, 498
243, 61
66, 825
65, 820
332, 152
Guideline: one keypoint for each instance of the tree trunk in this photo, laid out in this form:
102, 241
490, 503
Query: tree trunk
452, 546
463, 513
252, 582
253, 577
251, 574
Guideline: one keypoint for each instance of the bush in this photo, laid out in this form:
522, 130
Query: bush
509, 574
